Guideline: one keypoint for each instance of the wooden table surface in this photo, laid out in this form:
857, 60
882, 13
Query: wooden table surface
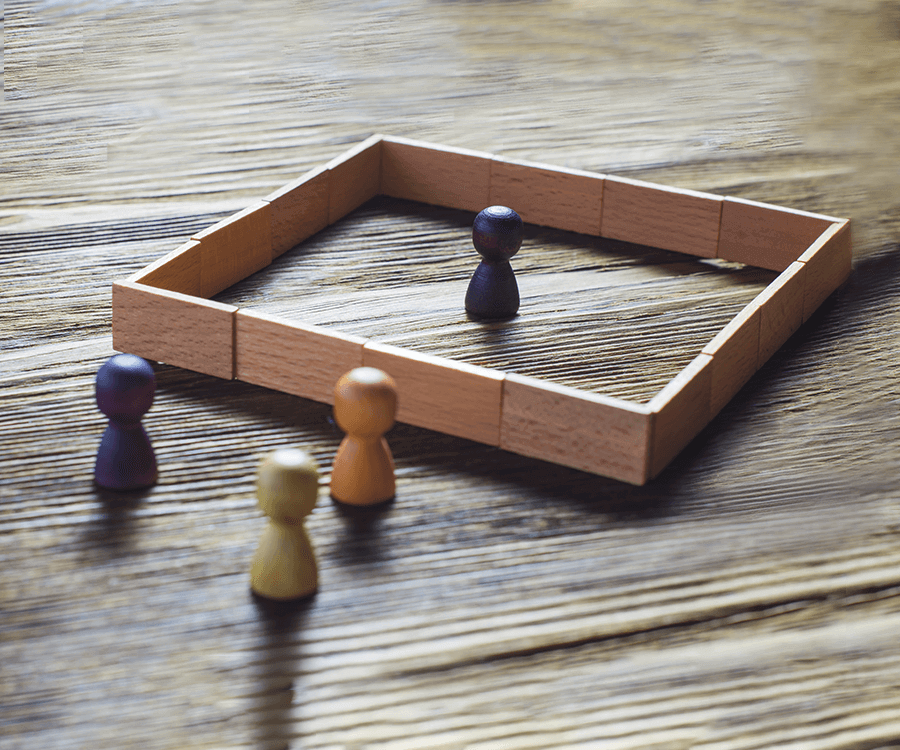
747, 598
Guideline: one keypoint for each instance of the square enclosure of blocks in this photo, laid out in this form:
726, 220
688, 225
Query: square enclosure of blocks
164, 313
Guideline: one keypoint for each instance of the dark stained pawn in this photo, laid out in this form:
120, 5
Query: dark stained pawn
125, 459
493, 293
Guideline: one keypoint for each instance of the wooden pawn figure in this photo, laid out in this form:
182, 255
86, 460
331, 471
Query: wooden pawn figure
365, 404
493, 293
287, 487
125, 386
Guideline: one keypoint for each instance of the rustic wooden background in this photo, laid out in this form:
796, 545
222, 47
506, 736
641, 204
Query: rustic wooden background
747, 598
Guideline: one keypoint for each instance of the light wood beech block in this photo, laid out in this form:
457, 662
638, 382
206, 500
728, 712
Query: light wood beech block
235, 248
549, 196
575, 428
452, 397
440, 175
766, 236
179, 271
683, 221
298, 210
735, 353
354, 178
170, 327
296, 358
828, 264
680, 411
781, 309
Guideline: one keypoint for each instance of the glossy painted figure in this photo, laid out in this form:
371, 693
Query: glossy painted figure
125, 388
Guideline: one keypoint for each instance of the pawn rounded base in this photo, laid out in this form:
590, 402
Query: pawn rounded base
493, 293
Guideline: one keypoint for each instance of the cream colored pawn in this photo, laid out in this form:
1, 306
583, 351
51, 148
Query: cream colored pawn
365, 403
287, 487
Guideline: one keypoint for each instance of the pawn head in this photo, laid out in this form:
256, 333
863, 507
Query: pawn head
125, 386
287, 485
497, 233
365, 402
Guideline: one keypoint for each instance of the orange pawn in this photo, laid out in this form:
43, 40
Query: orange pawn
287, 486
365, 403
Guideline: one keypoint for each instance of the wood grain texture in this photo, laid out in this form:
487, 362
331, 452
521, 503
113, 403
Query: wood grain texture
234, 248
292, 357
441, 175
828, 264
177, 271
594, 312
299, 209
767, 236
452, 397
354, 177
582, 430
684, 221
174, 328
553, 197
680, 411
746, 598
735, 353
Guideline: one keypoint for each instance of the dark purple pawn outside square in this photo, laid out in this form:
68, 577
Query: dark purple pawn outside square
125, 459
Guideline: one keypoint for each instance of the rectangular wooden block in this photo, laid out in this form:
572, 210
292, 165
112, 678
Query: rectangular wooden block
298, 210
234, 248
828, 262
179, 271
680, 411
549, 196
766, 236
683, 221
170, 327
354, 178
452, 397
735, 353
440, 175
295, 358
781, 309
575, 428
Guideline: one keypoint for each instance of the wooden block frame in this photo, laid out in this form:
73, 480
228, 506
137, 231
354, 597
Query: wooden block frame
161, 312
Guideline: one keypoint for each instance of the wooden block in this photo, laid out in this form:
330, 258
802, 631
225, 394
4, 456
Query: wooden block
680, 411
234, 248
781, 310
828, 261
298, 210
179, 271
170, 327
295, 358
766, 236
683, 221
440, 175
575, 428
354, 178
735, 353
452, 397
549, 196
